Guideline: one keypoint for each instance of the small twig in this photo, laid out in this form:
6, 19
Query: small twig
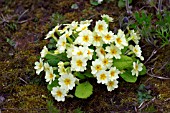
3, 19
20, 22
163, 78
22, 14
152, 54
144, 104
141, 104
136, 110
148, 7
168, 99
153, 75
162, 67
148, 80
23, 80
91, 17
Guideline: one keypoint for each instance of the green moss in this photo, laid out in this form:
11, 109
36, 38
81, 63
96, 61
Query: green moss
28, 98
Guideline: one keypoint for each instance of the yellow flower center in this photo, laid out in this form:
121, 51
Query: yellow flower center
84, 28
88, 52
112, 73
79, 53
100, 27
40, 65
85, 38
59, 93
97, 38
63, 43
110, 83
67, 81
51, 75
98, 67
102, 51
67, 35
47, 68
119, 41
113, 51
79, 63
75, 27
63, 70
136, 67
105, 61
103, 76
135, 50
132, 37
107, 37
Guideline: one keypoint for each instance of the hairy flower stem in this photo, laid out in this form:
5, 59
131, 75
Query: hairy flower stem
160, 6
70, 40
55, 38
128, 8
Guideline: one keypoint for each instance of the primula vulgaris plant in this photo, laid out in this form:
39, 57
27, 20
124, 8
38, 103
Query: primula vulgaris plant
76, 54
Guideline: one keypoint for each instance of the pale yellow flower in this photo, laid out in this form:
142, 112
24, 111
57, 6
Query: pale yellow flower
107, 17
85, 38
67, 81
97, 40
78, 63
49, 75
101, 27
39, 66
113, 51
134, 36
59, 93
51, 33
102, 77
108, 37
120, 39
112, 84
106, 62
44, 52
96, 66
100, 52
136, 68
113, 73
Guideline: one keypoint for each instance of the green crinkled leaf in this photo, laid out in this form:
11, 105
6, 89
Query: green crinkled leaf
122, 3
93, 2
51, 46
124, 50
124, 63
88, 74
53, 84
128, 77
74, 6
52, 40
53, 62
106, 20
54, 59
143, 72
49, 56
79, 75
84, 90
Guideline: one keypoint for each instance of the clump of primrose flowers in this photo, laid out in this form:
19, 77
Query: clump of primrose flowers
76, 54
